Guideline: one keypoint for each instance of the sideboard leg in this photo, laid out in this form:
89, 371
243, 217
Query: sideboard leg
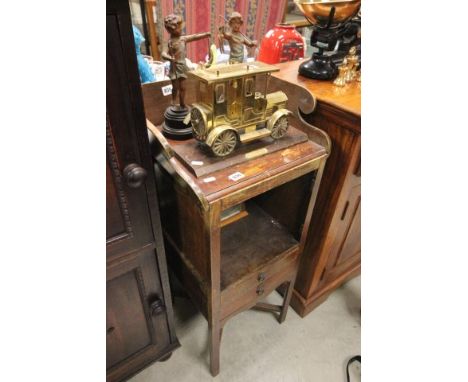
215, 340
286, 300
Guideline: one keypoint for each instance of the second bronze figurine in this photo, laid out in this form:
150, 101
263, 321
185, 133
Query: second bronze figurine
235, 38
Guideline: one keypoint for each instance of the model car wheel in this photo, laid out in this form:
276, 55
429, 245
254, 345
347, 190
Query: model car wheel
198, 124
280, 127
224, 143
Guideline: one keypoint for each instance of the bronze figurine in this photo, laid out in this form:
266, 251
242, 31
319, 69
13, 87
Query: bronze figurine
235, 38
176, 54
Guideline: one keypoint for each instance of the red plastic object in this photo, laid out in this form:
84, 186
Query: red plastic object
280, 44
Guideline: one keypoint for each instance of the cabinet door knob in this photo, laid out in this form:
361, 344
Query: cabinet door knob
110, 330
260, 290
157, 307
134, 175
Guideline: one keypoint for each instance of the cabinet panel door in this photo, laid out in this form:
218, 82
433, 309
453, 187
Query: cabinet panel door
127, 330
346, 248
128, 222
351, 245
136, 314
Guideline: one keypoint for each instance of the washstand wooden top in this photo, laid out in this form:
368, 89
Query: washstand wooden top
347, 98
274, 165
230, 177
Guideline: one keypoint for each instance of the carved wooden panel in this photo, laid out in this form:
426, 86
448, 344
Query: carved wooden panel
118, 224
128, 223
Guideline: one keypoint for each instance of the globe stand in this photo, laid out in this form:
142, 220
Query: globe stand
319, 67
332, 37
174, 125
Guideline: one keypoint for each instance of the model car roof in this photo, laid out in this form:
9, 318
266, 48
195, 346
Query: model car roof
222, 72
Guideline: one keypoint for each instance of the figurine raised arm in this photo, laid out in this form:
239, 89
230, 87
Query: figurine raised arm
176, 54
236, 38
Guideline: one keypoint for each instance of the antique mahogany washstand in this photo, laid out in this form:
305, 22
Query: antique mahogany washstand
227, 267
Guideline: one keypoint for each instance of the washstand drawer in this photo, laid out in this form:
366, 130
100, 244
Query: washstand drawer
244, 293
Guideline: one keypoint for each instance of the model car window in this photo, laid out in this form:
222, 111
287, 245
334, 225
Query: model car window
249, 85
260, 85
219, 90
234, 84
202, 88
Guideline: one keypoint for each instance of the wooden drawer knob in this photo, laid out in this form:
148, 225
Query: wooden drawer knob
134, 175
157, 307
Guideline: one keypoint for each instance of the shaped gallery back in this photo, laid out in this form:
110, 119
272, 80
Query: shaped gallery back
233, 106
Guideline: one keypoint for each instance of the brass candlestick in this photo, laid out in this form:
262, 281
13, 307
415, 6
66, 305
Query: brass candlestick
353, 60
343, 70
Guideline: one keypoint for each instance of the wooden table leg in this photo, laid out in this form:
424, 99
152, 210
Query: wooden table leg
212, 219
286, 300
215, 341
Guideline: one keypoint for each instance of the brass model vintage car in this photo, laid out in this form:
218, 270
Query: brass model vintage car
233, 106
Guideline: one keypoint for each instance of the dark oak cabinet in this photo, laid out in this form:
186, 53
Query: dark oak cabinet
139, 321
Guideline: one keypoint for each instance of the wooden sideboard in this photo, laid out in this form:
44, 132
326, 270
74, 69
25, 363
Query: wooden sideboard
332, 253
139, 319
